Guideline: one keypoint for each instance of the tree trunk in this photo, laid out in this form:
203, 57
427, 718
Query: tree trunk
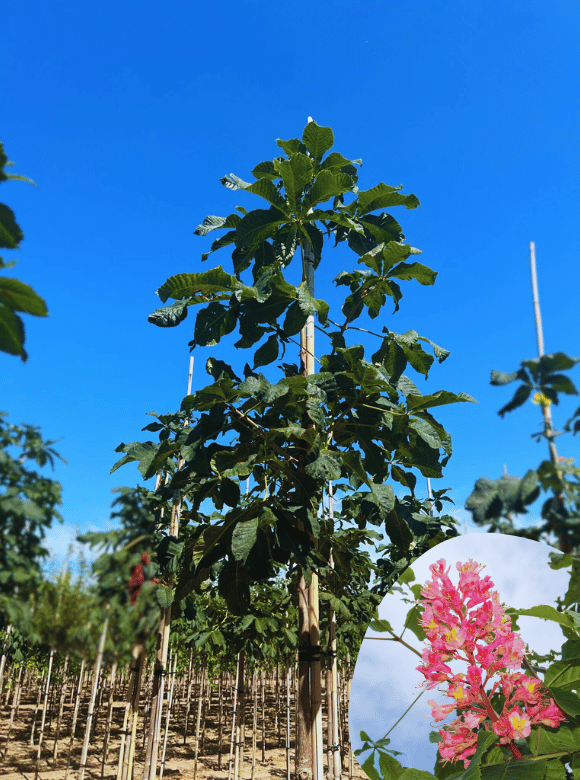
303, 708
4, 654
129, 737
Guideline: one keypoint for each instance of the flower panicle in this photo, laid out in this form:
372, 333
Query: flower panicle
469, 623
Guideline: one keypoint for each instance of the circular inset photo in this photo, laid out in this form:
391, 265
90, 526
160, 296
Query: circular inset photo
473, 666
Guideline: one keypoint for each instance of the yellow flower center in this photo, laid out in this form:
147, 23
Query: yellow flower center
451, 636
518, 723
459, 694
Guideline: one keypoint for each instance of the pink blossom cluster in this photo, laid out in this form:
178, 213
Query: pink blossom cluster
469, 623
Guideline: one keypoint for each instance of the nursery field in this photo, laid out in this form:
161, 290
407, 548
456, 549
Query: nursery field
267, 751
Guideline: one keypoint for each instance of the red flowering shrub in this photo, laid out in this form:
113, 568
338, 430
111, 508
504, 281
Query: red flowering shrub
137, 578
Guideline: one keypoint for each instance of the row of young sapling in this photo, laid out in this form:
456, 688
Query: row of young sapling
230, 698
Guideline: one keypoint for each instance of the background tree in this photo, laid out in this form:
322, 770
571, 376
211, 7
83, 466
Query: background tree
495, 502
15, 296
28, 502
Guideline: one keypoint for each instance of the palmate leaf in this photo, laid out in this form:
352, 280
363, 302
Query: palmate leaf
316, 240
296, 173
169, 316
234, 587
561, 384
21, 297
544, 366
10, 233
294, 320
520, 397
292, 146
266, 189
328, 185
11, 333
265, 170
258, 225
336, 162
384, 257
499, 378
205, 284
407, 271
382, 196
377, 229
267, 353
309, 305
243, 538
318, 140
212, 323
213, 223
440, 398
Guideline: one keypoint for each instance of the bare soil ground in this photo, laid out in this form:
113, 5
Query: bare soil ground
20, 761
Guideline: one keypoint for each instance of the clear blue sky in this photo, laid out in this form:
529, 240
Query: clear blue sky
127, 114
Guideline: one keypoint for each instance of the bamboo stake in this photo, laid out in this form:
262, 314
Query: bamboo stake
38, 700
189, 688
168, 717
60, 707
75, 714
48, 676
334, 762
220, 719
240, 691
288, 684
109, 717
263, 694
254, 720
44, 708
15, 700
127, 751
310, 683
151, 757
234, 716
96, 674
546, 409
